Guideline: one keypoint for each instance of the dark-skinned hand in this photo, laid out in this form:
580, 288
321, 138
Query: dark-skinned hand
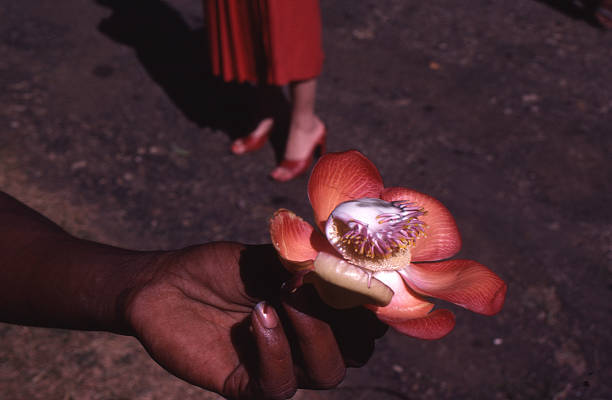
215, 315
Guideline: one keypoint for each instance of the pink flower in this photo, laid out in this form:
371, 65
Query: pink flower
380, 248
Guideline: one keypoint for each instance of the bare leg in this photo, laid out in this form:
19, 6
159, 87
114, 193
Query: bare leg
305, 128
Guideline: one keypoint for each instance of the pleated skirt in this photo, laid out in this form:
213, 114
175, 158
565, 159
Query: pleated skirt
264, 41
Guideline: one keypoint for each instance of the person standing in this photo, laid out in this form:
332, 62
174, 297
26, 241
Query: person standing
272, 43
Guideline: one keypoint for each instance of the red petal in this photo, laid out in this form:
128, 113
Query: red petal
434, 326
339, 177
464, 282
441, 238
295, 239
404, 305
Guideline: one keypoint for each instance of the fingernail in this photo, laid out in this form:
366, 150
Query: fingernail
266, 315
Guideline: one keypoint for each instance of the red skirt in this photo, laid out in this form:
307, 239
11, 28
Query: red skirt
264, 41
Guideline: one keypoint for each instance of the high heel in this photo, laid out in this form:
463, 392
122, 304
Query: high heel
255, 140
295, 168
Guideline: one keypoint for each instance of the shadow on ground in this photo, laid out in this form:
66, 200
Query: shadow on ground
577, 9
176, 57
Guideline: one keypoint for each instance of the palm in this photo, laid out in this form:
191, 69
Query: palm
195, 318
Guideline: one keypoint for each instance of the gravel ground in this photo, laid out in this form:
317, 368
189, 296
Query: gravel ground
111, 126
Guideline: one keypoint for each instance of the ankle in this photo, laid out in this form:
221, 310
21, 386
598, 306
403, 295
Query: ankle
308, 124
301, 143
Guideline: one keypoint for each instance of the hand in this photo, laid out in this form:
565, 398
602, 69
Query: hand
215, 316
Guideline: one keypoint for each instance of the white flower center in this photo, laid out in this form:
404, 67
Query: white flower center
373, 233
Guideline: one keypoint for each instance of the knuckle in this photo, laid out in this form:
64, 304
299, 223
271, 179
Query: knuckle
330, 380
280, 391
239, 385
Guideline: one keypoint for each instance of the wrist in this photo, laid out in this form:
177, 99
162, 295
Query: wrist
132, 272
96, 282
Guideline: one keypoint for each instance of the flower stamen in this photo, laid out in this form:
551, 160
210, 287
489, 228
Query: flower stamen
375, 234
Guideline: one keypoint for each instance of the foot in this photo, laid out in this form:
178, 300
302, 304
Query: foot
255, 140
302, 138
302, 143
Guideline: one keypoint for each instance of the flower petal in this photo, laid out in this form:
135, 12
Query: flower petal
464, 282
295, 240
343, 285
339, 177
442, 238
434, 326
404, 305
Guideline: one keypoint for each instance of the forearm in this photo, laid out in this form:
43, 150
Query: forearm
50, 278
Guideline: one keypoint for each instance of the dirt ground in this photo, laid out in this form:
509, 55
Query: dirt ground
111, 125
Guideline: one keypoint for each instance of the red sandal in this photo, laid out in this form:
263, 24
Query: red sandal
255, 140
295, 168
